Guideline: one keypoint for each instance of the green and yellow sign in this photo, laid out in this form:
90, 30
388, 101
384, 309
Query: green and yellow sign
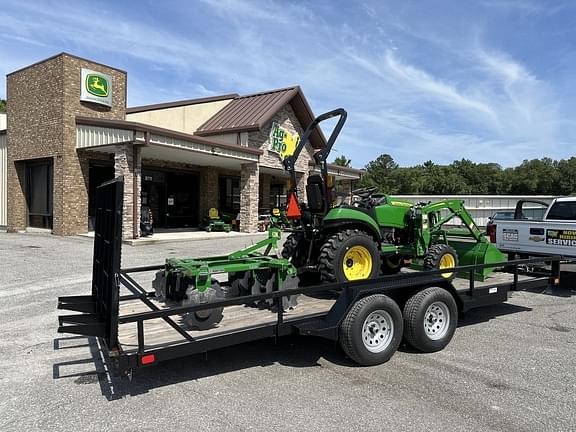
96, 87
282, 141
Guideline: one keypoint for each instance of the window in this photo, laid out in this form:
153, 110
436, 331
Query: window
563, 210
229, 193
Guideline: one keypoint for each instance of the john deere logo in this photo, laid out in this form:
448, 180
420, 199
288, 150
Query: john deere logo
97, 85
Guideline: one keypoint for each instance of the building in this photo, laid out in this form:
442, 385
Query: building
68, 130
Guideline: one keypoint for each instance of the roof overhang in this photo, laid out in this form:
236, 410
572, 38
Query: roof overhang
158, 143
339, 172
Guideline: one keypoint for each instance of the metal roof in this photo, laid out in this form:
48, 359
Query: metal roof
252, 112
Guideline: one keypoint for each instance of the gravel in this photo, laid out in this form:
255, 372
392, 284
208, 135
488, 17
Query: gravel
509, 367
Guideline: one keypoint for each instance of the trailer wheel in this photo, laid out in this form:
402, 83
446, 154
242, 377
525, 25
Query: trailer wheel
349, 255
206, 319
441, 256
372, 330
430, 319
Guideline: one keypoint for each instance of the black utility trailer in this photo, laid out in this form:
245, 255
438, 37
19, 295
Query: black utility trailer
369, 317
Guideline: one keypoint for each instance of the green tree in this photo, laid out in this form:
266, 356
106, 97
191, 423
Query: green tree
380, 173
2, 105
342, 161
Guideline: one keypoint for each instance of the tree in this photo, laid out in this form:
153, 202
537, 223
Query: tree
2, 105
380, 173
342, 161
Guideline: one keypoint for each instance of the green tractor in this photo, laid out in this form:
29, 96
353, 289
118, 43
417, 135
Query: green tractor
376, 234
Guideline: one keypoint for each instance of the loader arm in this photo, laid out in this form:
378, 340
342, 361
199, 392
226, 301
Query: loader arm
456, 209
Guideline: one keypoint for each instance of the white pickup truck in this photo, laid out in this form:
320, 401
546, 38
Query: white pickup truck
527, 234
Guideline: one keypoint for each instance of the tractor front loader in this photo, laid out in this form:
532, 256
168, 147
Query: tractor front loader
376, 234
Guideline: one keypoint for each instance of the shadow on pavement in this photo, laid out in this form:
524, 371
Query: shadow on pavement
292, 351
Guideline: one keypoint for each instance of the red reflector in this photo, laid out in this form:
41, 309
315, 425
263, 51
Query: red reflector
293, 208
147, 359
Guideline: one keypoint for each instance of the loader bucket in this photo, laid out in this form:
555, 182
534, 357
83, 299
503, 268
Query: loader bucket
471, 252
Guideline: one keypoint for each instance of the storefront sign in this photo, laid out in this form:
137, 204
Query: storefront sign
96, 87
282, 141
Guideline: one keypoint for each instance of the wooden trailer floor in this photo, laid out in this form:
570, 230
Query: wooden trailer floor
157, 333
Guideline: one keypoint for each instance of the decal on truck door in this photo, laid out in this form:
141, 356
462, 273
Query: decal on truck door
561, 237
509, 234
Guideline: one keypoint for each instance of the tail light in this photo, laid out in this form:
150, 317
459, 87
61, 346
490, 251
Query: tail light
147, 359
491, 230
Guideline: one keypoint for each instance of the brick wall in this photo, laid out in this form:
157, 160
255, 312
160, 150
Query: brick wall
249, 188
43, 102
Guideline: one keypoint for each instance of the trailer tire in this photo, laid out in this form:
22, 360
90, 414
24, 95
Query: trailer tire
430, 319
441, 256
349, 255
372, 330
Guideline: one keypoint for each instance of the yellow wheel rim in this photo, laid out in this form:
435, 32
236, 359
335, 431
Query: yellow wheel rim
357, 263
447, 261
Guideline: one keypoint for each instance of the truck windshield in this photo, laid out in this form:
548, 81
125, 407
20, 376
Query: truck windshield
563, 211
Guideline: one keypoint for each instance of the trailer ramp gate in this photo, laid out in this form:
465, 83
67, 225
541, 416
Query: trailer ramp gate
100, 309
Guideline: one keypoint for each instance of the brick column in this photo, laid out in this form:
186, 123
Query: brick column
208, 190
16, 196
249, 179
265, 190
128, 163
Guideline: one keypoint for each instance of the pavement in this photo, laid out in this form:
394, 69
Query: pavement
509, 367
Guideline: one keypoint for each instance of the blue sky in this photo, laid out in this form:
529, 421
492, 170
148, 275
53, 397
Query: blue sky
486, 80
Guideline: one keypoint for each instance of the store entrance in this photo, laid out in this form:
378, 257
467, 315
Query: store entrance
172, 197
39, 180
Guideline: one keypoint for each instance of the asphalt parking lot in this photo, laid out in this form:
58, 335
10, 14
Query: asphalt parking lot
509, 367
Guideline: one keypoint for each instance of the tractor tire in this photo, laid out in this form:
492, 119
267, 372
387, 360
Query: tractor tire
205, 319
441, 256
430, 319
294, 250
372, 330
348, 255
392, 264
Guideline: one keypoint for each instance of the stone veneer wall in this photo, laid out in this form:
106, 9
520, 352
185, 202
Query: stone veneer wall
249, 188
43, 101
261, 140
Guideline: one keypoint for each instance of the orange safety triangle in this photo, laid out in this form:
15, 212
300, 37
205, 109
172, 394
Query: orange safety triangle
293, 208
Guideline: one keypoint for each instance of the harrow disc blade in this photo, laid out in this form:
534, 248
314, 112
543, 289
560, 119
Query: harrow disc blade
205, 319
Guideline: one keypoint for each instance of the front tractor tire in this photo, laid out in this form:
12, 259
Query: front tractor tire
439, 257
349, 255
372, 330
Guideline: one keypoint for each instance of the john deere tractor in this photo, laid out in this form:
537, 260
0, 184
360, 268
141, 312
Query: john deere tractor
377, 233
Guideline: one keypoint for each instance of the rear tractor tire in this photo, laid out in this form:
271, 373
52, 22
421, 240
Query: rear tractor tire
430, 319
349, 255
295, 250
372, 330
441, 256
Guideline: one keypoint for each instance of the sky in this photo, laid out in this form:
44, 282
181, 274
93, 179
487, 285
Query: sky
485, 80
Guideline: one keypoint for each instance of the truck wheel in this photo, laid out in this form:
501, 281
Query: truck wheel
430, 319
348, 255
441, 256
372, 330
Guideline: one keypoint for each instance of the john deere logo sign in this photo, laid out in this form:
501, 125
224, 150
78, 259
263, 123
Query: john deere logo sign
96, 87
282, 141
